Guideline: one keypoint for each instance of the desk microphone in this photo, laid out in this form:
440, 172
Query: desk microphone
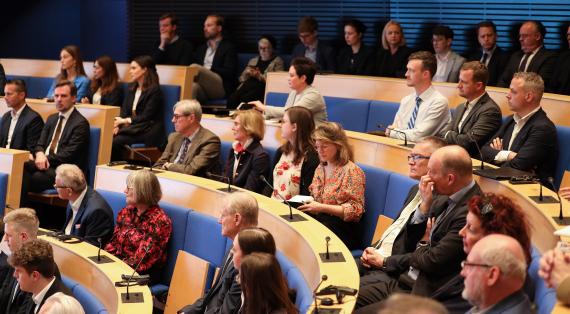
227, 179
142, 156
328, 239
323, 279
561, 220
397, 131
99, 250
98, 259
290, 217
470, 136
136, 297
540, 199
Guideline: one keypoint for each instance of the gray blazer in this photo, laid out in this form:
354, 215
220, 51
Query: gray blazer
456, 61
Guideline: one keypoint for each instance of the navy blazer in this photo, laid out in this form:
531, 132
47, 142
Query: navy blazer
496, 65
225, 63
73, 142
325, 56
543, 63
27, 130
536, 146
253, 162
94, 219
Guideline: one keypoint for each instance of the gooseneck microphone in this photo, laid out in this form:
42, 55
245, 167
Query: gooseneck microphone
143, 156
99, 251
540, 199
136, 297
401, 132
560, 219
291, 217
328, 239
227, 179
323, 279
472, 139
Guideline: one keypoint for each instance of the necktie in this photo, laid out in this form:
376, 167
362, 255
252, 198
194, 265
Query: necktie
522, 66
484, 58
412, 121
184, 150
55, 140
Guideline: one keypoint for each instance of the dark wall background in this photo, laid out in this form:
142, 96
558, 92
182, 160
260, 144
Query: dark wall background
126, 28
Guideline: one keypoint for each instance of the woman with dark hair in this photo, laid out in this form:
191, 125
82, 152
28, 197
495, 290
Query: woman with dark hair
301, 75
338, 184
252, 79
263, 286
71, 70
296, 160
355, 58
393, 54
141, 118
488, 214
105, 88
251, 240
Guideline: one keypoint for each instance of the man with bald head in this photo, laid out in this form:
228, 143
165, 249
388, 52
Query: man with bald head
494, 272
437, 221
532, 57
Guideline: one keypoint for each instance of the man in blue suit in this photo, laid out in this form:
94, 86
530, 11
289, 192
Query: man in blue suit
20, 128
88, 214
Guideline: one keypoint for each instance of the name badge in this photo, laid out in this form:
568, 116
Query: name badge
413, 273
77, 226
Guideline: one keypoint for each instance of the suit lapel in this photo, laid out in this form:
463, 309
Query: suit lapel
517, 142
6, 120
476, 107
81, 210
193, 146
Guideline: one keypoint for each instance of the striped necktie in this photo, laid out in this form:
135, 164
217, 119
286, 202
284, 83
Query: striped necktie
412, 121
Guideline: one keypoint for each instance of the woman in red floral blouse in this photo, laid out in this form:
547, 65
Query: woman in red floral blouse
338, 184
141, 226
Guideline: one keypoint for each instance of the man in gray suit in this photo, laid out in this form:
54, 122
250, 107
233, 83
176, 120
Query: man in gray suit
192, 149
448, 62
479, 117
495, 272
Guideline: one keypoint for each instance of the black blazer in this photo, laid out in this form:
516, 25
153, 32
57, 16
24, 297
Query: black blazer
388, 65
27, 130
310, 163
536, 146
2, 80
543, 63
114, 98
325, 56
56, 287
482, 122
253, 162
363, 61
441, 260
225, 63
149, 115
560, 82
73, 142
496, 65
94, 219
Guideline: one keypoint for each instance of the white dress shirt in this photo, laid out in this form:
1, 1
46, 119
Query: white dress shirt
74, 209
15, 117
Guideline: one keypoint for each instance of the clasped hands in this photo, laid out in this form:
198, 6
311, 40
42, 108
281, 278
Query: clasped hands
311, 207
554, 267
497, 144
118, 123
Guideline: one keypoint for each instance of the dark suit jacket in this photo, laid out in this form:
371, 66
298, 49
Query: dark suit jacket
560, 82
223, 298
149, 115
73, 142
482, 122
310, 163
27, 130
325, 55
543, 63
114, 98
363, 61
225, 63
94, 219
441, 260
203, 154
496, 65
177, 53
253, 163
2, 80
536, 146
56, 287
388, 65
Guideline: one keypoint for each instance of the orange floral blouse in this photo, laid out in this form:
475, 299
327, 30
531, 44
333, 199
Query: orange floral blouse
345, 188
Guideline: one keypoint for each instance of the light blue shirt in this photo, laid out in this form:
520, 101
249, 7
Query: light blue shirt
81, 83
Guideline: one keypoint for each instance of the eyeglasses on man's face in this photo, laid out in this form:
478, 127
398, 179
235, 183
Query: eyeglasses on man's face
416, 157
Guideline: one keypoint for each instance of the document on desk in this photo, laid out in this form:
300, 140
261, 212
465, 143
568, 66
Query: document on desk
564, 232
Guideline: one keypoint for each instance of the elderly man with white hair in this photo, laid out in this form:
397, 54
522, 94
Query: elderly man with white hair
494, 272
88, 214
192, 149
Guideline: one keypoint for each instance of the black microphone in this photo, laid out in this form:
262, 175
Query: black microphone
137, 296
140, 155
227, 179
99, 251
323, 279
290, 217
397, 131
470, 136
328, 239
561, 220
540, 199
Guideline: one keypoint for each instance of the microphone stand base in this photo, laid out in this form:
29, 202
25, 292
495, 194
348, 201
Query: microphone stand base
334, 257
227, 190
545, 199
103, 260
132, 167
565, 221
407, 145
325, 311
155, 170
294, 218
134, 297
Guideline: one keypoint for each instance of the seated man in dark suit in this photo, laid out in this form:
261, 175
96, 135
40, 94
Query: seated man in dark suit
217, 61
171, 49
2, 80
494, 58
21, 126
192, 149
436, 221
560, 83
88, 214
64, 139
527, 139
20, 226
310, 47
35, 270
239, 211
476, 120
532, 57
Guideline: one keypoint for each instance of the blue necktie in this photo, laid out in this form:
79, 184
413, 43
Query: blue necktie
412, 121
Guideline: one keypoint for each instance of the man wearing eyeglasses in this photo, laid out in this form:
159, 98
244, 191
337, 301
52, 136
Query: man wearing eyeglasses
192, 149
495, 272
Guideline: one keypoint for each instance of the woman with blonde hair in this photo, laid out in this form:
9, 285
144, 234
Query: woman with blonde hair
393, 55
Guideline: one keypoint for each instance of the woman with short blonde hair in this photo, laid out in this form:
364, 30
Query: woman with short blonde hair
393, 54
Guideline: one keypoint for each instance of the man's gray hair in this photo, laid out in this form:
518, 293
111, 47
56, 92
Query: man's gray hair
190, 106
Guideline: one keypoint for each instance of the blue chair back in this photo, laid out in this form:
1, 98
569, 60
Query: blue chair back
543, 297
563, 163
178, 216
398, 188
90, 303
276, 99
381, 112
116, 200
375, 197
93, 154
352, 114
3, 191
171, 95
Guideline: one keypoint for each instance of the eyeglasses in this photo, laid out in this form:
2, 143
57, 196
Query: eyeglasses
178, 116
55, 186
416, 157
466, 263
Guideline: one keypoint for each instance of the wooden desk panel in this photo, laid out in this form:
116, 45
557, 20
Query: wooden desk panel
12, 162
